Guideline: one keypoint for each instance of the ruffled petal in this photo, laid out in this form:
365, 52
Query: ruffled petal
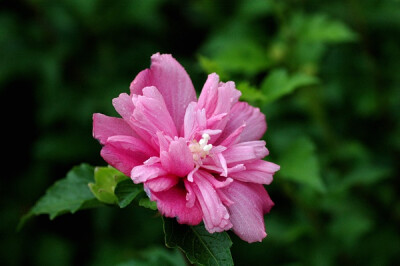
106, 126
162, 183
172, 203
215, 214
242, 113
260, 172
195, 121
151, 114
209, 94
178, 160
233, 138
172, 81
217, 99
228, 96
251, 201
143, 173
132, 144
245, 152
123, 104
121, 159
126, 152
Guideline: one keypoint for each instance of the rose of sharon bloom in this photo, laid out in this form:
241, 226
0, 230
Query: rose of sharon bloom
200, 160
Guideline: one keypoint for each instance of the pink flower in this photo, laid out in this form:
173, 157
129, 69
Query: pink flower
199, 160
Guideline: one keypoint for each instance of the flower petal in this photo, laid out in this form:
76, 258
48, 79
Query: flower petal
143, 173
251, 201
233, 138
178, 160
172, 81
217, 98
151, 114
121, 159
106, 126
260, 172
245, 152
123, 104
242, 113
172, 203
209, 94
126, 152
194, 122
215, 214
162, 183
133, 144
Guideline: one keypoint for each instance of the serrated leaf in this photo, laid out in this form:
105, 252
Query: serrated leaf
66, 195
126, 191
299, 163
199, 246
147, 203
278, 84
106, 180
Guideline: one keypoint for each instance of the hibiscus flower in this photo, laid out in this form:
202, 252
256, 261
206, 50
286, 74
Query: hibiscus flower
200, 160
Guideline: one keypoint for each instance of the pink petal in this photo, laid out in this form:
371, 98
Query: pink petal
124, 106
133, 144
172, 81
242, 113
228, 96
209, 94
121, 159
106, 126
162, 183
217, 182
245, 152
194, 121
215, 214
260, 172
151, 114
126, 152
143, 173
251, 201
178, 160
190, 195
217, 98
233, 138
172, 203
216, 163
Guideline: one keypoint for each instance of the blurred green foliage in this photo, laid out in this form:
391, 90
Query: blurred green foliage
325, 73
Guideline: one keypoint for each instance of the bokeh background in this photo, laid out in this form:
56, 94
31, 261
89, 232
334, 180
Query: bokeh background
333, 112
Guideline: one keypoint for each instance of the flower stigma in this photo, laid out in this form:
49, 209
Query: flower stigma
200, 149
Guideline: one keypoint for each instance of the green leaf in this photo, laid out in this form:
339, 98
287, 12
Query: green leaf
210, 66
156, 256
147, 203
243, 56
299, 163
126, 191
278, 84
320, 28
249, 93
255, 8
365, 174
66, 195
106, 179
200, 246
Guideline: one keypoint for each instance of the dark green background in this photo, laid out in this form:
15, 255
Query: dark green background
337, 196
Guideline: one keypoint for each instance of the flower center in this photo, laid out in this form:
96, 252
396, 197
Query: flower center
200, 149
